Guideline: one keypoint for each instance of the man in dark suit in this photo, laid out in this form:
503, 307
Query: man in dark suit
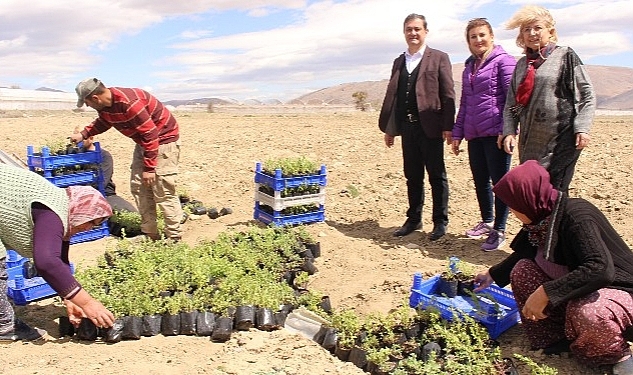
419, 105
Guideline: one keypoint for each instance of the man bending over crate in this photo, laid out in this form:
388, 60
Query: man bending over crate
137, 114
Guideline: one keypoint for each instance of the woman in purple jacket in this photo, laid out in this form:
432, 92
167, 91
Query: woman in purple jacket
485, 80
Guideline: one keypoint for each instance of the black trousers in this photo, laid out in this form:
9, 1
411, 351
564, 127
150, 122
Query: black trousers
419, 153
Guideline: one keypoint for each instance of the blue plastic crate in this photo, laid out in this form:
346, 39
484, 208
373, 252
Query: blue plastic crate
91, 235
277, 182
14, 263
14, 259
283, 220
23, 291
44, 160
494, 307
79, 178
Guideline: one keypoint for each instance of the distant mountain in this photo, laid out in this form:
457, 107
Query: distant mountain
47, 89
613, 86
177, 103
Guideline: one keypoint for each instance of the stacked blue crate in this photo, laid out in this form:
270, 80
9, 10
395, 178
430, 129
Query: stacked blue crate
277, 204
49, 165
21, 289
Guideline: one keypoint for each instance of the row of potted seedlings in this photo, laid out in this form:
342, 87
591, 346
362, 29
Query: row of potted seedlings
249, 279
253, 279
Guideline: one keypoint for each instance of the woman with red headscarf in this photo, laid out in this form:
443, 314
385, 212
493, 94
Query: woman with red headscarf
37, 220
573, 278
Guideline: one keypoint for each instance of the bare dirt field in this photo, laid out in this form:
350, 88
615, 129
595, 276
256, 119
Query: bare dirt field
362, 265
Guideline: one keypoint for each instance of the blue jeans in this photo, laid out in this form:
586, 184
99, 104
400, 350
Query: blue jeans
488, 164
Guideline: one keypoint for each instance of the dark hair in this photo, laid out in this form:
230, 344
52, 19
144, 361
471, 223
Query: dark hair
414, 16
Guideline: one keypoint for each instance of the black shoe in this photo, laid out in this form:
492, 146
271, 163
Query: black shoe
24, 332
439, 230
408, 227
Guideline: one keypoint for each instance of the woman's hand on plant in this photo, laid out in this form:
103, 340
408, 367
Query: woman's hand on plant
483, 280
535, 305
75, 313
92, 309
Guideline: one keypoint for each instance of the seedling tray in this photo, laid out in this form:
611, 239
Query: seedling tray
278, 203
79, 178
47, 162
91, 235
277, 182
32, 290
494, 307
285, 220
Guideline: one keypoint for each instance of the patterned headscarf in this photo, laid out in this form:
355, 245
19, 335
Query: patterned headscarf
527, 189
85, 203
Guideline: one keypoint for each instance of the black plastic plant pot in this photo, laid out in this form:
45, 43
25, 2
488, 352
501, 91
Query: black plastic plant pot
342, 353
308, 266
315, 248
329, 339
65, 327
114, 334
244, 317
358, 356
306, 253
87, 331
289, 277
205, 322
447, 287
280, 318
188, 322
384, 369
413, 331
223, 329
325, 304
465, 287
431, 347
170, 325
265, 319
320, 335
132, 327
198, 210
151, 325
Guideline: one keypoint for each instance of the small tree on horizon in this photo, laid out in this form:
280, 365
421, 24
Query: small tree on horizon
360, 100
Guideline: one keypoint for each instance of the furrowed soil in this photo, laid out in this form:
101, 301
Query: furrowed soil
362, 265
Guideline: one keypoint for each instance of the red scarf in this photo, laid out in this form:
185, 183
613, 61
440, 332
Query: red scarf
524, 91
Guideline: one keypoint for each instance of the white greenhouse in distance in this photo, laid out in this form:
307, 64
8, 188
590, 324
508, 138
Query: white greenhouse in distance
18, 99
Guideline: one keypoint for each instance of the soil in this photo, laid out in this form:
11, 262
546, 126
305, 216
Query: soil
362, 265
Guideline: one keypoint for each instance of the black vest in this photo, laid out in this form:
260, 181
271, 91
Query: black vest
407, 103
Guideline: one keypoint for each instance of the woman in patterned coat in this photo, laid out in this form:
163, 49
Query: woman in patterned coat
550, 97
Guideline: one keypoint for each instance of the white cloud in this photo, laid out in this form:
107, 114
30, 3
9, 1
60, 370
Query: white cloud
317, 44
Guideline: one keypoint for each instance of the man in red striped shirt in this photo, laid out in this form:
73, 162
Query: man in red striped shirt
137, 114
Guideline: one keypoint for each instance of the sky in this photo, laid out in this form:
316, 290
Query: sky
265, 49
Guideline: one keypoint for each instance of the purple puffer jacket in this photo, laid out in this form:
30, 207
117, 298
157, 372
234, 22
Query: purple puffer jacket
484, 96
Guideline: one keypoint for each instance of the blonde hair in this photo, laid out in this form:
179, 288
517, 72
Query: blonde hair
529, 14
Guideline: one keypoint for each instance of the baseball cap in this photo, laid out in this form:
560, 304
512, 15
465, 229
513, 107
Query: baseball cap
84, 88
